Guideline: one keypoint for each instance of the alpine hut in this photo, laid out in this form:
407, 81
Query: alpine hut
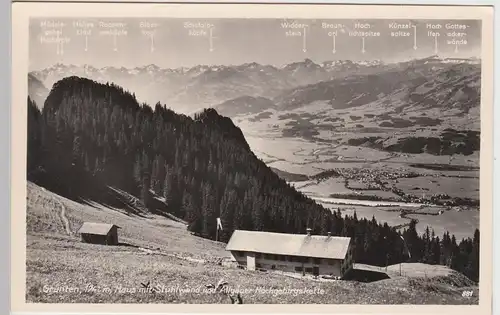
306, 254
99, 233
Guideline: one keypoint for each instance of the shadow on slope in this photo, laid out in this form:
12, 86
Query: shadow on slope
363, 275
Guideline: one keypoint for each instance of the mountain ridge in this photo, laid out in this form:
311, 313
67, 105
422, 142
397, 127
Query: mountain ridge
191, 88
306, 61
36, 90
412, 88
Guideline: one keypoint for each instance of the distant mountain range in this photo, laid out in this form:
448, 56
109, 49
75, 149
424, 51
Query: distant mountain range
189, 89
451, 86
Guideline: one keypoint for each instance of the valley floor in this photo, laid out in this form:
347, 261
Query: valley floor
376, 183
163, 253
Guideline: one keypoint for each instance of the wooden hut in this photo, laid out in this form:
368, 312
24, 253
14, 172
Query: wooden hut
99, 233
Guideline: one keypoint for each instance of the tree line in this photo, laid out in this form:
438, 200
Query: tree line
89, 136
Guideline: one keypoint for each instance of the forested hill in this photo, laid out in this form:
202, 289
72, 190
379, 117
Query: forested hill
91, 136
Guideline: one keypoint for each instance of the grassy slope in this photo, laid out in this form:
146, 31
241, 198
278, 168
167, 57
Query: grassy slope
56, 259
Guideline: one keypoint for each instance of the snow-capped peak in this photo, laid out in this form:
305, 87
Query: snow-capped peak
447, 59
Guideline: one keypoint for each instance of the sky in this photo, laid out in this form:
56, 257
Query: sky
238, 41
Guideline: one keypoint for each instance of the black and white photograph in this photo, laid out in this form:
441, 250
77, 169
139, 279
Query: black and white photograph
253, 160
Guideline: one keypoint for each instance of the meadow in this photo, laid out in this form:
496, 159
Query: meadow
178, 266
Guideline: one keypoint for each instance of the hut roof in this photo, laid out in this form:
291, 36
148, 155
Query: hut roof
96, 228
317, 246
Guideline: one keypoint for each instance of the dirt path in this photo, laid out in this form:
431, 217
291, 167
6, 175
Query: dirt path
64, 219
404, 225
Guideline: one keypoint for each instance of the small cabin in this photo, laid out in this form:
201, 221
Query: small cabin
99, 233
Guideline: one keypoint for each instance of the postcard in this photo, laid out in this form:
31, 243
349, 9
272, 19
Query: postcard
300, 158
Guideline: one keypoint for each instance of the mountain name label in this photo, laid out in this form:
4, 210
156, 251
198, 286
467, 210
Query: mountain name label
400, 34
293, 25
113, 29
114, 32
198, 28
83, 28
364, 34
52, 24
457, 42
52, 33
294, 29
331, 26
148, 28
148, 25
400, 26
112, 25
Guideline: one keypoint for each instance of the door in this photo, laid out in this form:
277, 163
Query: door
316, 271
251, 261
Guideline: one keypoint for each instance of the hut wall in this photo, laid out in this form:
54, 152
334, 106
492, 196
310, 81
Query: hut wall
113, 236
94, 239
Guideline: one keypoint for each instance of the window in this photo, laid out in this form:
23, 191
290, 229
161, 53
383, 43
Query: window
309, 269
298, 268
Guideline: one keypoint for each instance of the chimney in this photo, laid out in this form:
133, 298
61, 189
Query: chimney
329, 234
308, 231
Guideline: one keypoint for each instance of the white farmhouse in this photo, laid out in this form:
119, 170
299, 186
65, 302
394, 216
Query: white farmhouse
306, 254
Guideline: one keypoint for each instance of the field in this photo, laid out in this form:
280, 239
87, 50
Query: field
462, 224
452, 186
161, 252
389, 215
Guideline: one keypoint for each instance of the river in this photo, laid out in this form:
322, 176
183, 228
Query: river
369, 203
